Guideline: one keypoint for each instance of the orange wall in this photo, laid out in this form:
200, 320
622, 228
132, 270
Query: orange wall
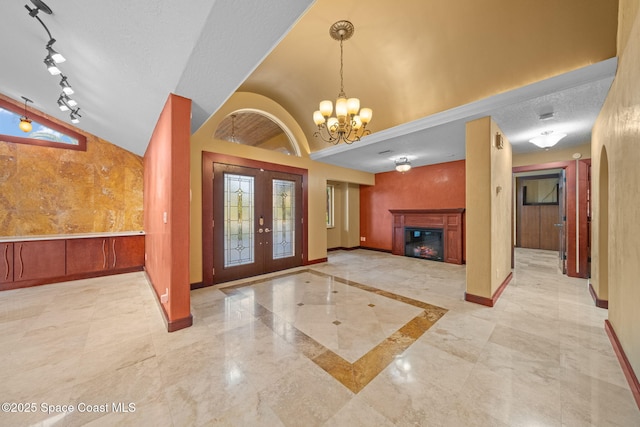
166, 196
427, 187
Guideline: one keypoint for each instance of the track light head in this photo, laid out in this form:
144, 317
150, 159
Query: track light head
75, 116
55, 55
66, 87
51, 66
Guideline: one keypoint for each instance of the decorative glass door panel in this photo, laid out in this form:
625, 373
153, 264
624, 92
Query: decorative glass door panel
257, 217
284, 215
239, 232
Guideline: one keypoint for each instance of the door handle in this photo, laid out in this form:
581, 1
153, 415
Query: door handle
558, 225
267, 230
260, 230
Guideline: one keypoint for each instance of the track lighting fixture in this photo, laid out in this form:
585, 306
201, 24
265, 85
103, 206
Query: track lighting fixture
25, 122
75, 116
53, 57
66, 87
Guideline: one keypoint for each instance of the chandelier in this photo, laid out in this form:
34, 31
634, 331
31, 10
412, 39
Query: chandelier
350, 122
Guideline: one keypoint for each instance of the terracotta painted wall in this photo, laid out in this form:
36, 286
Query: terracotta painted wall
428, 187
617, 133
166, 210
47, 190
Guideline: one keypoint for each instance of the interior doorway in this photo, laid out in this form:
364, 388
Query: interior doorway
574, 250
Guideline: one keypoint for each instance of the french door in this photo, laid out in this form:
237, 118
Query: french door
257, 221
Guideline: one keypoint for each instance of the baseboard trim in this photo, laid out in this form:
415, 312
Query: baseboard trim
489, 302
600, 303
198, 285
316, 261
627, 369
171, 325
342, 248
387, 251
178, 324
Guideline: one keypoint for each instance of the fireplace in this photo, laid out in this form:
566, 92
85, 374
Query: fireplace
429, 233
424, 243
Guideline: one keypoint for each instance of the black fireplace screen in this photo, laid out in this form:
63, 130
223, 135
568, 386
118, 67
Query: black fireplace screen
423, 243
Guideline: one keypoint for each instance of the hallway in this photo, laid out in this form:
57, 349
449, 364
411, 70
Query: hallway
367, 338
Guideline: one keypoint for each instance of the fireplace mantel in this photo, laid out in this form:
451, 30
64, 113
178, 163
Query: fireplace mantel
449, 220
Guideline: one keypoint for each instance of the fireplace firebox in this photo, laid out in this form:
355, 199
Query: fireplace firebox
424, 243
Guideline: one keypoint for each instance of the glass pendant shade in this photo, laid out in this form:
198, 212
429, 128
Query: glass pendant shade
25, 125
547, 139
326, 108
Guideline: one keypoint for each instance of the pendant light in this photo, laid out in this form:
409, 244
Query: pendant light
25, 122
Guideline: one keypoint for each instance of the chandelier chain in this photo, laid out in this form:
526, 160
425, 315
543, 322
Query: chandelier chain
341, 73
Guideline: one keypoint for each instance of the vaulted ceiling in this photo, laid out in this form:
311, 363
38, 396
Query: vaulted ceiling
423, 66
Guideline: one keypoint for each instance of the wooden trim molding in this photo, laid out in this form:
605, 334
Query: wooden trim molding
174, 325
178, 324
315, 261
489, 302
342, 248
450, 221
208, 159
627, 369
600, 303
198, 285
47, 121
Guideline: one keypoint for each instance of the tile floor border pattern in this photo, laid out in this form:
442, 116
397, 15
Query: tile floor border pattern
354, 376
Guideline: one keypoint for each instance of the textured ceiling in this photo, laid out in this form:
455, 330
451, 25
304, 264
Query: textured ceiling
124, 58
411, 62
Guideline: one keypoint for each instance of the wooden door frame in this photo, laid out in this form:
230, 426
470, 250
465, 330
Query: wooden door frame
208, 159
575, 268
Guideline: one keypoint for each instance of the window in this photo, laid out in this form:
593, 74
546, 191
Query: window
330, 191
45, 132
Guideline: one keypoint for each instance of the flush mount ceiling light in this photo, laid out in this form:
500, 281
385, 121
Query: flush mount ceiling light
547, 139
403, 164
25, 122
350, 122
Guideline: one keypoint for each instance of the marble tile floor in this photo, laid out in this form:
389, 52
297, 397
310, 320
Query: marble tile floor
365, 339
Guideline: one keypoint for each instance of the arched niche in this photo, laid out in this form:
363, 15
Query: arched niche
258, 129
